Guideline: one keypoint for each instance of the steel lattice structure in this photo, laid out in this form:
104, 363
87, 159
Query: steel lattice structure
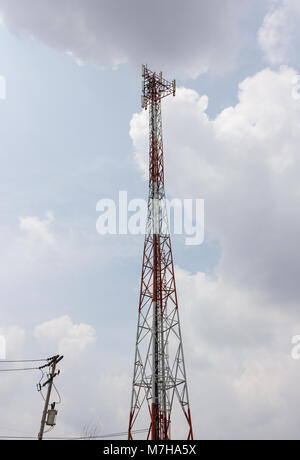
159, 369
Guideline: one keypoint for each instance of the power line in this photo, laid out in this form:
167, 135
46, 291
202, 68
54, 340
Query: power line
24, 369
112, 435
24, 361
49, 361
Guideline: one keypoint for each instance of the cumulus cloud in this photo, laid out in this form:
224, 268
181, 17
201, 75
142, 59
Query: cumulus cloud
192, 38
37, 229
69, 338
278, 35
13, 339
245, 164
238, 351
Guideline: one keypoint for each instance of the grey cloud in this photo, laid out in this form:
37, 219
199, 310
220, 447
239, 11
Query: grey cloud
190, 37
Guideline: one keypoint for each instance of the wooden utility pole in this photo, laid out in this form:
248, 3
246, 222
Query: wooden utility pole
52, 375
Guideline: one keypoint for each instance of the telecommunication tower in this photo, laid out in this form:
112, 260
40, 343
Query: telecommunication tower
159, 382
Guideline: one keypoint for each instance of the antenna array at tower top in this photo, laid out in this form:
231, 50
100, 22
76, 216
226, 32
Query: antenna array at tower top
155, 87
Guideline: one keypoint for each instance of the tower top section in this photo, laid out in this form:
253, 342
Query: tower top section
155, 87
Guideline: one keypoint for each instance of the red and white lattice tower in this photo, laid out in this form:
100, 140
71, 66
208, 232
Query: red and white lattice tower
159, 383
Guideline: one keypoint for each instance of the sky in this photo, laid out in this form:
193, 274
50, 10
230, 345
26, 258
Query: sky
72, 133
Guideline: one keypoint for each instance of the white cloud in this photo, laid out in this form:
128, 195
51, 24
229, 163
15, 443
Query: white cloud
245, 164
170, 35
117, 390
14, 340
69, 338
237, 352
37, 229
279, 32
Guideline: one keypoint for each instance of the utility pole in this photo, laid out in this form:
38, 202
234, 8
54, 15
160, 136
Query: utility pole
52, 375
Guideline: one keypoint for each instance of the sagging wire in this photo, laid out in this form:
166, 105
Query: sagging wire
49, 430
59, 397
39, 385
